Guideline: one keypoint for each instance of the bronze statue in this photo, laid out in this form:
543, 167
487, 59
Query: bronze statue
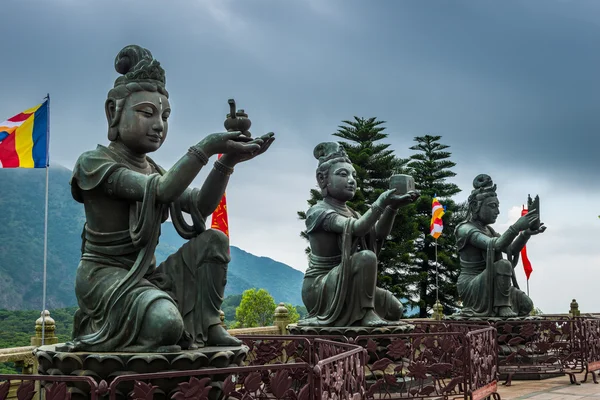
126, 302
339, 287
487, 284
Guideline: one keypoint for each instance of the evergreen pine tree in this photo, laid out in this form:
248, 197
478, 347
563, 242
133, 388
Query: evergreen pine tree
375, 163
431, 167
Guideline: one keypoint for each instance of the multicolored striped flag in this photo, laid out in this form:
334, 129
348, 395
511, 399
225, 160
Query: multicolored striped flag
219, 216
526, 263
24, 139
437, 212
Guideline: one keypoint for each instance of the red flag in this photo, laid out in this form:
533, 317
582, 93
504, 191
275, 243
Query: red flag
526, 264
219, 216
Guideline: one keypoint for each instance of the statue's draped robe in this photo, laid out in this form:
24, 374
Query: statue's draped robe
117, 279
477, 286
330, 292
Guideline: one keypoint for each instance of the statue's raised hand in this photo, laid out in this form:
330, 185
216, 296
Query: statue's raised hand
541, 229
396, 201
228, 142
526, 221
264, 142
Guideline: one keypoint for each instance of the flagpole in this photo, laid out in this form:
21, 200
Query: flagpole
437, 291
46, 221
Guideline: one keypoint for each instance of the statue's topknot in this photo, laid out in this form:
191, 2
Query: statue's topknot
136, 64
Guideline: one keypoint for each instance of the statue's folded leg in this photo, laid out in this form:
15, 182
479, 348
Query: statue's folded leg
502, 288
198, 275
362, 302
520, 302
387, 305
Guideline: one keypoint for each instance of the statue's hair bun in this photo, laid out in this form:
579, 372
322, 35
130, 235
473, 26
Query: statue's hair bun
135, 64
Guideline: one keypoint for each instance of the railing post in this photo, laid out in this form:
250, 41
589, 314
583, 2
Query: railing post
49, 331
281, 318
222, 318
438, 311
574, 311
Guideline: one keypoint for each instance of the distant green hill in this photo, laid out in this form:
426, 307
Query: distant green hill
21, 246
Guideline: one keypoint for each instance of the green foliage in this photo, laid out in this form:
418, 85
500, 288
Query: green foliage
255, 309
228, 307
17, 328
302, 311
375, 163
293, 314
431, 168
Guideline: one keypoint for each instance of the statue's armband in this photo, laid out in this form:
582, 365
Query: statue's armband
124, 183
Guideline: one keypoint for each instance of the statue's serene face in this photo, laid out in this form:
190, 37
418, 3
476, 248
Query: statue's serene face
489, 211
341, 183
143, 125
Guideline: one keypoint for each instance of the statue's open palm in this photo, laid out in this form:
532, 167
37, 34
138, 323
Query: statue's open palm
260, 145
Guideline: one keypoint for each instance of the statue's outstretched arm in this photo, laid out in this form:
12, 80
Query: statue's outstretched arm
481, 240
360, 227
171, 185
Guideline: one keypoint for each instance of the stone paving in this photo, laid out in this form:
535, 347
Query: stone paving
551, 389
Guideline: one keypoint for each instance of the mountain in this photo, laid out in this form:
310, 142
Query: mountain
22, 243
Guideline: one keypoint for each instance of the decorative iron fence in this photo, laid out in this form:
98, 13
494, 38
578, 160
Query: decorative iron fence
437, 360
278, 367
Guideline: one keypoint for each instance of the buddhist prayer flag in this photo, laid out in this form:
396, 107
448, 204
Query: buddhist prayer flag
526, 264
24, 139
219, 216
437, 212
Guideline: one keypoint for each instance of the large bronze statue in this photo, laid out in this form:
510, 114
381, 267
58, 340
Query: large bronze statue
126, 302
487, 284
339, 286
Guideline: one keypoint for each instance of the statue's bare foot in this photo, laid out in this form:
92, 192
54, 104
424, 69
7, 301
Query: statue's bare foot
506, 312
372, 319
218, 336
169, 349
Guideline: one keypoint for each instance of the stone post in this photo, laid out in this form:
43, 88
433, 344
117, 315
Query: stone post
222, 317
49, 328
281, 318
438, 311
574, 312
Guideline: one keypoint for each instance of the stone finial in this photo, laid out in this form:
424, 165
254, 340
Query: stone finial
438, 311
222, 318
49, 328
574, 311
281, 318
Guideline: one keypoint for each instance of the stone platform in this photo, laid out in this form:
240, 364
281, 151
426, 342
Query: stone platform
107, 366
349, 332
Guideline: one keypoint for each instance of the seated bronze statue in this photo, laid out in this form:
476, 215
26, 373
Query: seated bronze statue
339, 287
487, 284
126, 302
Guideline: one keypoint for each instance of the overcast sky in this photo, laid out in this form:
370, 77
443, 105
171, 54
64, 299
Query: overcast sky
511, 86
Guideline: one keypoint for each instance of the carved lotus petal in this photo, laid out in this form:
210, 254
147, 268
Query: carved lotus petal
148, 363
67, 362
103, 364
221, 359
189, 361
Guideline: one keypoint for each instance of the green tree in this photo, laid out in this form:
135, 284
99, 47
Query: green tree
431, 167
255, 309
293, 314
375, 163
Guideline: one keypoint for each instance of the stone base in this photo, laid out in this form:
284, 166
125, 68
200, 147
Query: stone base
349, 331
107, 366
464, 318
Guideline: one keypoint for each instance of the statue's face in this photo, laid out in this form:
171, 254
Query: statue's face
143, 125
489, 211
341, 181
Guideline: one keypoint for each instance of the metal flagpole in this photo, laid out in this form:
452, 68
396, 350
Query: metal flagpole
46, 220
437, 291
